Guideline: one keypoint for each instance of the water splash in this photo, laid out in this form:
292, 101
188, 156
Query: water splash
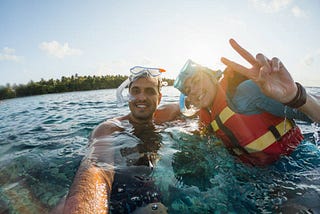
316, 128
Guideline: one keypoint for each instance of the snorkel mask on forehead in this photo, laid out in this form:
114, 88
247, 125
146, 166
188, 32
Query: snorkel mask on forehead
136, 73
188, 70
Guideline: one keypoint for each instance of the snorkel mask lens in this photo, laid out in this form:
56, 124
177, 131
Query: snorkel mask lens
154, 72
136, 72
187, 71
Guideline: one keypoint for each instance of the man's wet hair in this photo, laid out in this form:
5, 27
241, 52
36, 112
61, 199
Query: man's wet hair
145, 75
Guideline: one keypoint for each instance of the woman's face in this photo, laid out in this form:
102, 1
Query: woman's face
201, 89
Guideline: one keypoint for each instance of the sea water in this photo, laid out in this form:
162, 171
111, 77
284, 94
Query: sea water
43, 139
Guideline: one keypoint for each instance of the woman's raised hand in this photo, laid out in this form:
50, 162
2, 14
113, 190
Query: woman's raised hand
271, 76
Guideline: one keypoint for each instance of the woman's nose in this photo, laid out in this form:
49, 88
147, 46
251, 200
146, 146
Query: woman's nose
193, 90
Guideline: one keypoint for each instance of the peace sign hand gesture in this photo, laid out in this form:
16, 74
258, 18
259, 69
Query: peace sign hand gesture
271, 76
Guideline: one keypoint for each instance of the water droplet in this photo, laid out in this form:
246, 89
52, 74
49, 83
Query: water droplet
135, 198
155, 194
154, 206
120, 190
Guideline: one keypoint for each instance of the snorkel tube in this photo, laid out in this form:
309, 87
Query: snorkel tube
188, 112
121, 101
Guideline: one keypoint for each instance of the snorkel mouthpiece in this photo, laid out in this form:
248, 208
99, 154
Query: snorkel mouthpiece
188, 112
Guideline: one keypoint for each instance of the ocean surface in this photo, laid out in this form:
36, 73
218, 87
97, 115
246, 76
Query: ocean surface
43, 139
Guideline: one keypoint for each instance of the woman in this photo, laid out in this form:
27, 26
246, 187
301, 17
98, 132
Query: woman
250, 110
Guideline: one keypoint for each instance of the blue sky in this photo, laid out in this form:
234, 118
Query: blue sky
50, 39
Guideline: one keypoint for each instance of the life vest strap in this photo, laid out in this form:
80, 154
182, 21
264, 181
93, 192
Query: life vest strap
233, 139
225, 114
269, 138
274, 134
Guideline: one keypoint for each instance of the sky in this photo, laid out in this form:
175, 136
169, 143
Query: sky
55, 38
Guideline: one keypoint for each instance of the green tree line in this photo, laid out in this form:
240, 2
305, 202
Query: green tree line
65, 84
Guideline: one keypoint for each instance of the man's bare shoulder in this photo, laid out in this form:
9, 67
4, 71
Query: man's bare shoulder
108, 127
167, 112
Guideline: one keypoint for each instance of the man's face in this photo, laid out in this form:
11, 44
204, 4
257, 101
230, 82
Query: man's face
145, 98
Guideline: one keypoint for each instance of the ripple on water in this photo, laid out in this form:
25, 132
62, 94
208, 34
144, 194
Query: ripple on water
45, 138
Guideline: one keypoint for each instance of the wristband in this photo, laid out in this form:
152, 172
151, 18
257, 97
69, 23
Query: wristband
300, 99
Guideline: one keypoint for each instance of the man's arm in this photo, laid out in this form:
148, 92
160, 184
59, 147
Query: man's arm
107, 128
91, 189
166, 113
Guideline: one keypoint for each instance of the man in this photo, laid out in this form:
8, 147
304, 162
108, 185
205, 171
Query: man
93, 184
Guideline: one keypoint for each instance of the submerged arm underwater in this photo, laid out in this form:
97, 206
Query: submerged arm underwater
92, 185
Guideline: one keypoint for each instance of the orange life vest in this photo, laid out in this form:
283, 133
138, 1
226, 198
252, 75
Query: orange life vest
258, 139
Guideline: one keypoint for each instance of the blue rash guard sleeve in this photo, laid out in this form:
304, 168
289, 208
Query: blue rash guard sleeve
248, 99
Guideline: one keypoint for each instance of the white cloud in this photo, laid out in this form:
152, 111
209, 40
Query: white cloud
307, 69
8, 54
58, 50
272, 6
312, 58
275, 6
298, 12
308, 60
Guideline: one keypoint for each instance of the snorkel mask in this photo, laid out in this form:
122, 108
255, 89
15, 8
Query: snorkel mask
136, 73
189, 69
